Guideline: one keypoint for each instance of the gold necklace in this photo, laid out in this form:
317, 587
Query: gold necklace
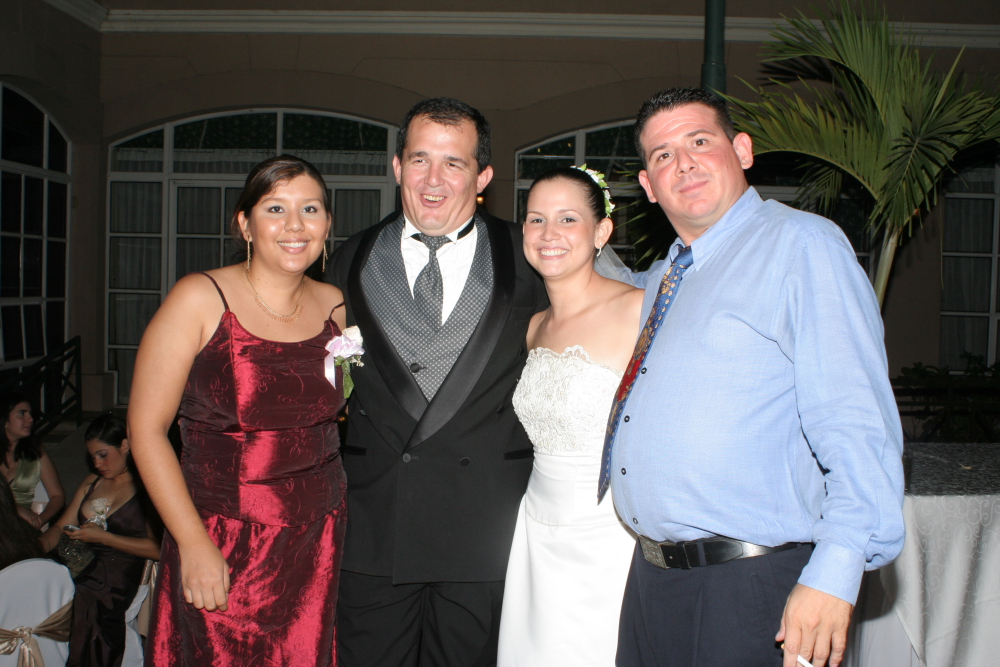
271, 312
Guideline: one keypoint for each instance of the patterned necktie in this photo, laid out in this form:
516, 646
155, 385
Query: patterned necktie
428, 289
664, 299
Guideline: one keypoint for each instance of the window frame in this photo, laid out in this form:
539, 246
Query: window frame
47, 176
993, 315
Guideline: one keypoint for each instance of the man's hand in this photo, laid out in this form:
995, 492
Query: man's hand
814, 626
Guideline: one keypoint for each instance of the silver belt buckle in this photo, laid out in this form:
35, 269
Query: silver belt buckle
652, 552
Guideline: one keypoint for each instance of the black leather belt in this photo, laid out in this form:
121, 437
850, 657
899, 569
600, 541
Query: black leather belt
699, 553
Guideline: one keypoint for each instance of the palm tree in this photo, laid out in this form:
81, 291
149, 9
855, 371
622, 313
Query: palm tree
864, 106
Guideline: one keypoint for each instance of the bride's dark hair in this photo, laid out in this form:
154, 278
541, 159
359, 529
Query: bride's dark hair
592, 192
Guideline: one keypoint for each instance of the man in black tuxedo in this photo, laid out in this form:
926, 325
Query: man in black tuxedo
436, 460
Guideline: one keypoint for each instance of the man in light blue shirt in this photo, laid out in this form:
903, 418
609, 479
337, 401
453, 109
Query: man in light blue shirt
761, 432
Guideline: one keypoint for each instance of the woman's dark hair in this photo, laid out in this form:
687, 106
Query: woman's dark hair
19, 541
26, 448
592, 192
264, 177
107, 428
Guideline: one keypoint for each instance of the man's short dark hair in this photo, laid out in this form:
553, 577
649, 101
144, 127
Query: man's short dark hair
448, 111
670, 99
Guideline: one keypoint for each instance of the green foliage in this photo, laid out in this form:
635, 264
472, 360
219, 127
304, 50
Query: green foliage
942, 406
857, 101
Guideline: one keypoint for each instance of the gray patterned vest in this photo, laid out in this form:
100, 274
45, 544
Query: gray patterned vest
432, 353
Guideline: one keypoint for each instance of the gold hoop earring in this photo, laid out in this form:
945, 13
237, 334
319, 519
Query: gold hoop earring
324, 256
248, 255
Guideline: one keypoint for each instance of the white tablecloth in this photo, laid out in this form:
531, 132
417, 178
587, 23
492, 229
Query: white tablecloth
943, 591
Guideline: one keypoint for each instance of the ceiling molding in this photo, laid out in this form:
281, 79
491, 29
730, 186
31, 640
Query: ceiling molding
88, 12
476, 24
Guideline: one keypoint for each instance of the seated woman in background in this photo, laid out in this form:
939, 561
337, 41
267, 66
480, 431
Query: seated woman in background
25, 463
106, 588
17, 542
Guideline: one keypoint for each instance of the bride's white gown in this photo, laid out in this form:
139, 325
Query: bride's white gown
570, 556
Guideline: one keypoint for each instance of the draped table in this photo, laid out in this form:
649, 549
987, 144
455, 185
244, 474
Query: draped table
938, 604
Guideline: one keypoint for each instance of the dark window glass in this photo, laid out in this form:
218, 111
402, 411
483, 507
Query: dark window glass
135, 263
54, 324
32, 267
10, 266
10, 202
136, 207
355, 210
257, 130
966, 284
198, 210
963, 334
197, 255
13, 344
34, 205
336, 145
34, 334
23, 135
122, 361
534, 162
226, 145
128, 315
57, 210
55, 283
612, 152
57, 150
144, 153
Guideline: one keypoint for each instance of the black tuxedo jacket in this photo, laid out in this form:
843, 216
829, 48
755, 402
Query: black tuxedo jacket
433, 489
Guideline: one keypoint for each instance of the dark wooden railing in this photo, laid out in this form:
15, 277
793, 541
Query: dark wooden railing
951, 408
52, 384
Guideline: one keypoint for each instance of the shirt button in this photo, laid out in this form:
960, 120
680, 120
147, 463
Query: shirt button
415, 367
406, 458
623, 471
626, 418
635, 521
643, 370
464, 462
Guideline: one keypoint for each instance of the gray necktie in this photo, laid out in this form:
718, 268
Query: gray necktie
428, 290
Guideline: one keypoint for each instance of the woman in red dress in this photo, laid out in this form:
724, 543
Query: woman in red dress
254, 509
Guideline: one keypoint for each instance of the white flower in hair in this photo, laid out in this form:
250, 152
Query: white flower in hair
598, 177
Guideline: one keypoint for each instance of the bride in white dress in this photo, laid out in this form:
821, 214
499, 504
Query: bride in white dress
570, 557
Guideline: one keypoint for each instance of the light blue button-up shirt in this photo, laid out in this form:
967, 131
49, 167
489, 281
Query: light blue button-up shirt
764, 412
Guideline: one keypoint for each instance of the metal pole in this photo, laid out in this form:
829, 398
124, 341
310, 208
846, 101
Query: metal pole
713, 70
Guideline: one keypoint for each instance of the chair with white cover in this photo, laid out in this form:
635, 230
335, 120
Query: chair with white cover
40, 502
31, 592
133, 656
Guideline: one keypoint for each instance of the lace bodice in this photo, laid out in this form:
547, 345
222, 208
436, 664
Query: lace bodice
563, 400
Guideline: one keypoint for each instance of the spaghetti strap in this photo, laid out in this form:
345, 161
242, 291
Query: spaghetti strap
218, 289
334, 309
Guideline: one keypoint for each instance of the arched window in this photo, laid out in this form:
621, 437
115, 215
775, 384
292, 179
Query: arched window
172, 190
34, 219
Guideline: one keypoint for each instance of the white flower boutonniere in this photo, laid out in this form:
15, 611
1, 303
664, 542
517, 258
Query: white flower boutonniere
343, 351
100, 506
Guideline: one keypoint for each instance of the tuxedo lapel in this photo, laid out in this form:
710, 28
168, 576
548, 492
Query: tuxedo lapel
477, 352
397, 377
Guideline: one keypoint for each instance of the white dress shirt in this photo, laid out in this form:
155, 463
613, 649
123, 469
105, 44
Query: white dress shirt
455, 260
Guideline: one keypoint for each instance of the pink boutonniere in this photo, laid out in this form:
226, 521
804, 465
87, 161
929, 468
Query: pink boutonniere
343, 351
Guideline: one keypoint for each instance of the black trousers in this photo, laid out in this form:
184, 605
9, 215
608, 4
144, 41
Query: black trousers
716, 616
445, 624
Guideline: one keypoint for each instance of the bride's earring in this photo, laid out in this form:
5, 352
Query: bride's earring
599, 250
248, 255
324, 255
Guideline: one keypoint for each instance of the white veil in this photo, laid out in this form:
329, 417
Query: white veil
609, 265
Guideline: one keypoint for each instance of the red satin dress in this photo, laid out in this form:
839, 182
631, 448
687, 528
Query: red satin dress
261, 457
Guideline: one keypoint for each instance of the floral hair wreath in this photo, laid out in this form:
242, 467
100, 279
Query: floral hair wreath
601, 183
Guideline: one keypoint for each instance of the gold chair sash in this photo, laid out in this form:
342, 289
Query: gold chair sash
55, 627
